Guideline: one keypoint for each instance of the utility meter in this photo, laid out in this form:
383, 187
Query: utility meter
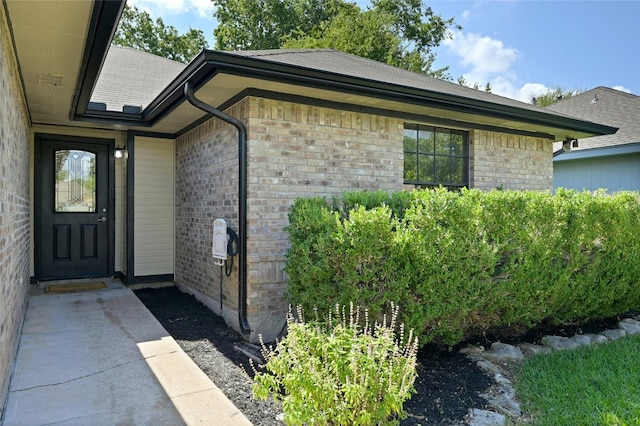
219, 247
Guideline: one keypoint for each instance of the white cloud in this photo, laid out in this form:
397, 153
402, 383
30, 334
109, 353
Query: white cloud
504, 87
465, 15
622, 89
162, 8
489, 60
485, 56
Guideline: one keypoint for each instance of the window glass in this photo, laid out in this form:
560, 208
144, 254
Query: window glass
411, 167
457, 144
442, 143
425, 168
425, 141
443, 169
435, 156
410, 140
75, 181
458, 168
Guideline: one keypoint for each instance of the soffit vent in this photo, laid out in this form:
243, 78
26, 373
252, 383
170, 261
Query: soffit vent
50, 79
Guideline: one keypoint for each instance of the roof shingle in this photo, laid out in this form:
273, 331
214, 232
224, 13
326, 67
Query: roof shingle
133, 77
607, 106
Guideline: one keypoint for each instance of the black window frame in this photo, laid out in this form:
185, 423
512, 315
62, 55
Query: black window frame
428, 153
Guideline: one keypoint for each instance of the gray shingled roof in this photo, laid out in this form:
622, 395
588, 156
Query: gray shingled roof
133, 77
340, 63
612, 107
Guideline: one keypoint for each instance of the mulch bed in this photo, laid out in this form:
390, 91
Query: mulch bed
448, 383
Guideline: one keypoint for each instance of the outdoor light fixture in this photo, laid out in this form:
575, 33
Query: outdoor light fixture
569, 144
118, 152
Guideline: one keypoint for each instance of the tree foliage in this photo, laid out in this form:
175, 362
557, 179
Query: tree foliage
554, 95
401, 33
139, 31
463, 82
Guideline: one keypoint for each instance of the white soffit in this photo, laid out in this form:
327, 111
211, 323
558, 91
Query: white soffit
50, 38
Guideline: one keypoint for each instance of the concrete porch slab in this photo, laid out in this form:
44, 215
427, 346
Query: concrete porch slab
101, 358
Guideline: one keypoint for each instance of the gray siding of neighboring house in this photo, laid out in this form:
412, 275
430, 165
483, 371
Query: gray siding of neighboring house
617, 173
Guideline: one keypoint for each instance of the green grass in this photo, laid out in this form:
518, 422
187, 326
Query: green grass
593, 385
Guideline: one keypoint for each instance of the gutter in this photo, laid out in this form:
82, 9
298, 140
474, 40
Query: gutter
242, 201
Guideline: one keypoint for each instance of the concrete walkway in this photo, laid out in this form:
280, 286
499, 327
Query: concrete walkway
101, 358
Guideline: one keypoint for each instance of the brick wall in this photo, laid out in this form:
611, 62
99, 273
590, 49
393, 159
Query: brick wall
206, 188
302, 151
294, 151
14, 209
298, 150
510, 161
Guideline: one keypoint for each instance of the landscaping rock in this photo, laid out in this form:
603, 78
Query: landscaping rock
597, 338
558, 343
501, 397
488, 367
503, 352
479, 417
505, 386
472, 350
629, 325
529, 349
580, 340
614, 334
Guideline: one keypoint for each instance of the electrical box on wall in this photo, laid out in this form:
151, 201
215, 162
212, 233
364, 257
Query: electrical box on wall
219, 246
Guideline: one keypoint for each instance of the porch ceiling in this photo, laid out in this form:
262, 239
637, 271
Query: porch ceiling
49, 37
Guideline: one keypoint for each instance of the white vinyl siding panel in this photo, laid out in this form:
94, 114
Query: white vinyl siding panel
154, 236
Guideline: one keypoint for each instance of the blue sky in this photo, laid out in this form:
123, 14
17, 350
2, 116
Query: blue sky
521, 47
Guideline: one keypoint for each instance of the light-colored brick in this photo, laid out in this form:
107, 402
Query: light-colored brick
14, 208
499, 161
294, 151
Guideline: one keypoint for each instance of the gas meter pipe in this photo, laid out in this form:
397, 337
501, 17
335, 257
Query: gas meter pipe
242, 201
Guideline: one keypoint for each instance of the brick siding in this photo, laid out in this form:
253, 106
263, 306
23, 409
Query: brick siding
207, 189
14, 209
510, 161
298, 150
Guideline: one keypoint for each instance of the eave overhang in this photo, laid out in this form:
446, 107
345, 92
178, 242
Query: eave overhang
208, 66
104, 22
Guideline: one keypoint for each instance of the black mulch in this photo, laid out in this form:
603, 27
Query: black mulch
448, 383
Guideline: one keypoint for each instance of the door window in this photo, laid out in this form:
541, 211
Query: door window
75, 182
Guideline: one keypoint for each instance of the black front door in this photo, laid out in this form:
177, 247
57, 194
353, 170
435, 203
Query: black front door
74, 218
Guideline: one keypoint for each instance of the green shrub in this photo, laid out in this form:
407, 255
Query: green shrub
461, 263
339, 372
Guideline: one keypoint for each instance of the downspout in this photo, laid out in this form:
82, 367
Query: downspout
242, 201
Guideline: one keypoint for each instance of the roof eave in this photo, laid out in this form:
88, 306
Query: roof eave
104, 22
208, 63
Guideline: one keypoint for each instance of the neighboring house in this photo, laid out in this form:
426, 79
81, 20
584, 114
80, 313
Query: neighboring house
609, 162
313, 122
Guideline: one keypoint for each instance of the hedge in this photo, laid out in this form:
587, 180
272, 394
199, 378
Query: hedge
461, 263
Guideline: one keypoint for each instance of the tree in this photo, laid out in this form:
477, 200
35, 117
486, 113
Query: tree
554, 95
463, 82
401, 33
138, 30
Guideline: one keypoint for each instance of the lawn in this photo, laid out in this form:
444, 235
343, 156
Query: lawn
593, 385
